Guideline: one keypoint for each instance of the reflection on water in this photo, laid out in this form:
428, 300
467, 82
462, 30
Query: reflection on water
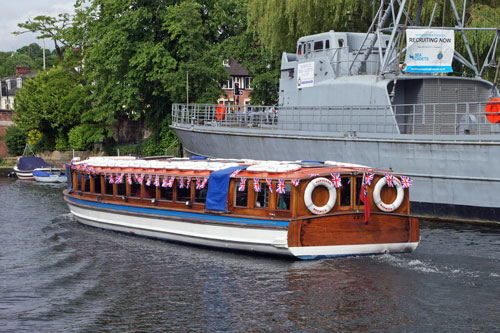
58, 275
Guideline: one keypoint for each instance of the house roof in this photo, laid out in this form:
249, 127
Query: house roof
235, 69
13, 82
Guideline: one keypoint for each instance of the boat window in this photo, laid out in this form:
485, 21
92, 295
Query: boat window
108, 188
327, 44
318, 45
135, 188
299, 49
241, 197
86, 179
262, 197
150, 191
284, 199
121, 189
308, 47
183, 194
97, 184
359, 182
345, 192
200, 196
167, 193
78, 181
341, 43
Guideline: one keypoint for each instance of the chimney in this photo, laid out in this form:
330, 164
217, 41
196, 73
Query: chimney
21, 70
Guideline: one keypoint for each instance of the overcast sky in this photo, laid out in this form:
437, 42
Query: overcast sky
13, 12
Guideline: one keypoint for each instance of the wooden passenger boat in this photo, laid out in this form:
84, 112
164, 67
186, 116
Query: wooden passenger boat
301, 209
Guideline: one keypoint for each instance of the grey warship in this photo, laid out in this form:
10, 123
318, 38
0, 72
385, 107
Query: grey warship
347, 97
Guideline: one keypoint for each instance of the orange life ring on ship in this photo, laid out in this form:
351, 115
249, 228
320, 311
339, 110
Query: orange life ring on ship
221, 111
493, 110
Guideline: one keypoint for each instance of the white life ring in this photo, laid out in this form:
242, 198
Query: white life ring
399, 197
308, 196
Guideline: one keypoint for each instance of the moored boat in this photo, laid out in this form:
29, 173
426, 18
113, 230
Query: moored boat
26, 164
299, 209
50, 175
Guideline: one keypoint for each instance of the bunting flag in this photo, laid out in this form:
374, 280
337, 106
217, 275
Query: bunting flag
188, 182
368, 178
204, 183
164, 183
337, 181
363, 196
119, 179
111, 179
157, 181
170, 182
148, 182
129, 179
406, 181
390, 179
140, 178
295, 182
235, 173
269, 182
280, 188
314, 174
256, 185
243, 182
181, 182
198, 183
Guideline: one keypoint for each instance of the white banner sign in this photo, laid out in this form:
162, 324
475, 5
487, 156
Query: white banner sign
305, 77
429, 50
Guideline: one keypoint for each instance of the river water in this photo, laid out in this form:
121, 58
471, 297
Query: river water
58, 275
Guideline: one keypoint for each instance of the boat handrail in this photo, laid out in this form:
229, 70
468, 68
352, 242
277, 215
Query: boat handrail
432, 121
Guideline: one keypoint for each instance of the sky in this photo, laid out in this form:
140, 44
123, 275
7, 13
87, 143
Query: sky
13, 12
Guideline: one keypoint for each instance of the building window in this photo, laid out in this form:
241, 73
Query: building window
228, 84
238, 79
19, 82
248, 82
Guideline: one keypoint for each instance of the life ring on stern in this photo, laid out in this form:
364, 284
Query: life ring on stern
493, 110
308, 196
399, 196
220, 111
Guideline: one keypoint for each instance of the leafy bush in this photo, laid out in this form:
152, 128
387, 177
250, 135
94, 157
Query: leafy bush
15, 140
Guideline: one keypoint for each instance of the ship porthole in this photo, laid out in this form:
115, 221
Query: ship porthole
399, 196
309, 191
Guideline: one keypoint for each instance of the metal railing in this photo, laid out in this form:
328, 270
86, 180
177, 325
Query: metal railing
429, 120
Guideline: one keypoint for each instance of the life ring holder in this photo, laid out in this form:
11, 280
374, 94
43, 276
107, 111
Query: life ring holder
332, 191
220, 112
399, 196
492, 110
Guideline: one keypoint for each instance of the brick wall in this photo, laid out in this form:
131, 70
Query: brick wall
5, 121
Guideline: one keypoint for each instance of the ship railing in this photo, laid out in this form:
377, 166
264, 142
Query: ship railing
429, 120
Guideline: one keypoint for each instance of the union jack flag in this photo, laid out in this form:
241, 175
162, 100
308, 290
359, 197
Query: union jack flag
406, 181
205, 180
181, 182
157, 180
243, 182
280, 188
148, 182
164, 182
295, 182
314, 174
269, 184
256, 185
119, 179
337, 181
188, 182
171, 181
90, 170
198, 183
235, 173
129, 179
390, 179
368, 178
140, 178
111, 179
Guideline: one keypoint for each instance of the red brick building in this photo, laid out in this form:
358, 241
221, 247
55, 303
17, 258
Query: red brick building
238, 74
5, 121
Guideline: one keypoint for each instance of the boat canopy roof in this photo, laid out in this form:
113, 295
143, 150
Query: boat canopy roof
31, 162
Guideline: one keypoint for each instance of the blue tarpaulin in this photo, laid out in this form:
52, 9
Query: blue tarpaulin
31, 162
218, 187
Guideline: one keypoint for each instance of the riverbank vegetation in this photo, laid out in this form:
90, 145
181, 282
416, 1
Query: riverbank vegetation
120, 64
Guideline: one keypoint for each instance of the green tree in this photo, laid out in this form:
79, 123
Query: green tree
52, 103
15, 140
